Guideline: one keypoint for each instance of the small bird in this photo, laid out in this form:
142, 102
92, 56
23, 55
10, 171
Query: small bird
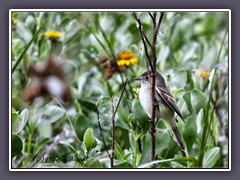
165, 104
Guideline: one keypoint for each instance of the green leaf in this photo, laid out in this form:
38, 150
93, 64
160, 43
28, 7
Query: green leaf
122, 119
105, 108
146, 149
199, 121
24, 32
149, 164
39, 145
45, 130
88, 105
162, 141
92, 163
20, 122
14, 120
122, 115
88, 139
51, 114
122, 124
211, 157
178, 79
17, 145
198, 100
80, 125
118, 152
70, 147
190, 132
187, 99
123, 165
181, 159
210, 24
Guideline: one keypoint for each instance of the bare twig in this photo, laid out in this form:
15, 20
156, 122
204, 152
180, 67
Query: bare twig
114, 111
153, 82
101, 132
150, 14
154, 18
139, 25
156, 26
121, 95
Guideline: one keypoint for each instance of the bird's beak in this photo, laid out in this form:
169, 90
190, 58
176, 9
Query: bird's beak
138, 78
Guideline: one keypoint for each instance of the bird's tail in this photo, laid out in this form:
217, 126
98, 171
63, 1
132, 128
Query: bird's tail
178, 137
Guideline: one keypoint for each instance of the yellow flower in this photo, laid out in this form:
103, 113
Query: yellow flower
52, 34
133, 60
126, 55
127, 58
128, 63
121, 62
204, 74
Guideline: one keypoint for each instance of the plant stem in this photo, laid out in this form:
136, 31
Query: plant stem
139, 25
122, 82
101, 132
68, 118
28, 148
121, 95
113, 132
135, 153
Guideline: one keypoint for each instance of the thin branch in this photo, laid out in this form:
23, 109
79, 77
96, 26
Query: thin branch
156, 29
114, 111
150, 14
152, 64
141, 30
101, 132
153, 82
139, 25
128, 84
154, 18
145, 37
121, 95
113, 132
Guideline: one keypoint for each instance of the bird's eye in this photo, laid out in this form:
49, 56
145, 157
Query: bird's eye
146, 78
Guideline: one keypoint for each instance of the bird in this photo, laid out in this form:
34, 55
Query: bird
165, 105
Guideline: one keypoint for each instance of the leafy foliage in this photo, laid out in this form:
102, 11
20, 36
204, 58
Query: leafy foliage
193, 57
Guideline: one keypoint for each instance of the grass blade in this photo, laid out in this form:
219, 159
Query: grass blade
27, 47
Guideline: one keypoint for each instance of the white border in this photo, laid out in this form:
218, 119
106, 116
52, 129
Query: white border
115, 10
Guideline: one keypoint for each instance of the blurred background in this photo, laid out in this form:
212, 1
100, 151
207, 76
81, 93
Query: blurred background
69, 68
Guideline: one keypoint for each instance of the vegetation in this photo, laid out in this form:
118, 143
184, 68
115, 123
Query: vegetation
75, 103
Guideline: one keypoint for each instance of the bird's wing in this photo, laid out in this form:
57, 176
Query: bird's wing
166, 96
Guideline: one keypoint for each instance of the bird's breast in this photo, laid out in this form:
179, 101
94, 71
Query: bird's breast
163, 111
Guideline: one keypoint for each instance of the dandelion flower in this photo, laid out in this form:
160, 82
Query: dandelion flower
52, 34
